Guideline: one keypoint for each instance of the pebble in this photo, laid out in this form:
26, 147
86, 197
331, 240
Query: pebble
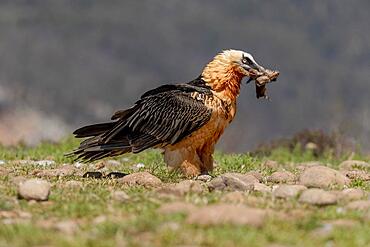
261, 188
43, 163
270, 164
120, 196
281, 177
63, 171
221, 214
288, 191
360, 205
352, 194
2, 162
34, 189
233, 181
354, 165
141, 178
138, 166
318, 197
322, 177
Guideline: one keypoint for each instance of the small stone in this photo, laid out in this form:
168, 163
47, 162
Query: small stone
182, 188
188, 186
68, 227
271, 164
73, 184
63, 171
318, 197
233, 181
261, 188
2, 162
42, 163
256, 174
176, 207
78, 165
304, 165
357, 174
138, 166
281, 177
141, 178
120, 196
220, 214
360, 205
216, 184
322, 177
34, 189
354, 165
352, 194
288, 191
204, 178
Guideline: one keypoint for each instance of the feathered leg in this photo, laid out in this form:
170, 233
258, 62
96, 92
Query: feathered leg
185, 159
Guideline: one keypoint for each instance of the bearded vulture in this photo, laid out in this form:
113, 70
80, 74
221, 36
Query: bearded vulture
184, 120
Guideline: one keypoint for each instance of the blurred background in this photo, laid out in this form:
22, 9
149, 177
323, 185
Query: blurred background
68, 63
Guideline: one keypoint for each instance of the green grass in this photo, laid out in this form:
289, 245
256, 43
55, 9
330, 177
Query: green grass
137, 223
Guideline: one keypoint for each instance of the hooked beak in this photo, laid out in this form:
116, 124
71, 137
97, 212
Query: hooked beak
255, 72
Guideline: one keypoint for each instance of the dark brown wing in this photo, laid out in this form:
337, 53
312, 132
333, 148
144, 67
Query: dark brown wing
162, 116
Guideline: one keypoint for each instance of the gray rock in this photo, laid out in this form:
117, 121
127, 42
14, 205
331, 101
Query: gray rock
270, 164
141, 178
120, 196
352, 194
360, 205
255, 174
220, 214
34, 189
281, 177
216, 184
189, 186
322, 177
42, 163
288, 191
318, 197
182, 188
233, 181
63, 171
354, 165
261, 188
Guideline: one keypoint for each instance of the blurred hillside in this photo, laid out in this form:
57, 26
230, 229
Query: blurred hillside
78, 61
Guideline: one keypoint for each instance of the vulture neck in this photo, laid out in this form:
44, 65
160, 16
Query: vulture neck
223, 78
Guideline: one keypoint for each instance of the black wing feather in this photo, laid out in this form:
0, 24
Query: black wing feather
162, 116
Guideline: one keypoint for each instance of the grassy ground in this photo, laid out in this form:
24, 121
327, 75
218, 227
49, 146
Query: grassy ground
104, 222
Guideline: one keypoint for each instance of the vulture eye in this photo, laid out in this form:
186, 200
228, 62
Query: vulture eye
246, 60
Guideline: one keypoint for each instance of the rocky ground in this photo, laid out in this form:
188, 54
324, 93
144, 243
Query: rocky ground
287, 199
